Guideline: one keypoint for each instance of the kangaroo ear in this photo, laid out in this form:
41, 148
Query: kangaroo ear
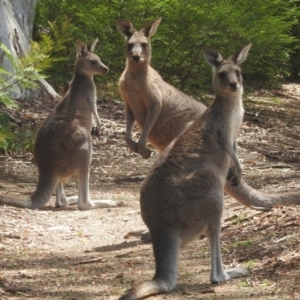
92, 45
126, 28
212, 56
81, 48
151, 28
241, 55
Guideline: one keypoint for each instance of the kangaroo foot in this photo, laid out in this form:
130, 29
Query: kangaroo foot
236, 272
100, 204
67, 201
145, 152
144, 234
133, 146
229, 274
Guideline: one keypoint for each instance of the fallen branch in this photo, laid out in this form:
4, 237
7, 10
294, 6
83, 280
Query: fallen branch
90, 261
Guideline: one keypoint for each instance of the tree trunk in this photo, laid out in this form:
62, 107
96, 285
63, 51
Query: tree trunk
16, 25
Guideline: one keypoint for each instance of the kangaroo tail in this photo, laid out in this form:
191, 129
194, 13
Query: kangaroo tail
39, 198
251, 197
11, 201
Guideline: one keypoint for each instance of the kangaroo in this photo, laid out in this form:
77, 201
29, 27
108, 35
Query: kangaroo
182, 197
63, 146
162, 112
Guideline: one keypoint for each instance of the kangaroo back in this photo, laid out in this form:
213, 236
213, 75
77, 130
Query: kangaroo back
182, 197
148, 99
67, 128
162, 113
64, 146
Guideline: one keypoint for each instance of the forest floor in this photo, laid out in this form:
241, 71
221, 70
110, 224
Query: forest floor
70, 254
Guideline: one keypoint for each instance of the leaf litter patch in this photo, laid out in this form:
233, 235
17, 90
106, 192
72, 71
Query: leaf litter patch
69, 254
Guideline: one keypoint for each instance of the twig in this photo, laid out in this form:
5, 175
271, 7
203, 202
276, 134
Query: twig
89, 261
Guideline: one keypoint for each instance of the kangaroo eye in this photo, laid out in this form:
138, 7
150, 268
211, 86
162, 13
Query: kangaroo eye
222, 75
144, 45
129, 47
238, 73
93, 62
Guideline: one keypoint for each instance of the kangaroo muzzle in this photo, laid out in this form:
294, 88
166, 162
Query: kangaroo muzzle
233, 86
137, 53
105, 69
136, 58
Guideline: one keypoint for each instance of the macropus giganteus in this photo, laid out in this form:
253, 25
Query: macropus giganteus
63, 145
162, 112
182, 197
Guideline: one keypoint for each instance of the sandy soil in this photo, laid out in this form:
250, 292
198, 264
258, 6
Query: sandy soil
69, 254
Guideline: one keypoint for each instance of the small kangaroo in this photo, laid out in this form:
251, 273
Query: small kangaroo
63, 146
182, 197
162, 112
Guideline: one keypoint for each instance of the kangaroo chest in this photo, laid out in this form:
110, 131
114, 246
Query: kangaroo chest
136, 93
236, 121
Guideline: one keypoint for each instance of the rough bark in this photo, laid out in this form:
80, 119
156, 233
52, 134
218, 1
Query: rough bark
16, 25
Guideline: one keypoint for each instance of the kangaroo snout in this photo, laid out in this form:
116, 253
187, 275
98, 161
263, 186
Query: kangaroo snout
137, 53
233, 85
101, 69
136, 58
105, 69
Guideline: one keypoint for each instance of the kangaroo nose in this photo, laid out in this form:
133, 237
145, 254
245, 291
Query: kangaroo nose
136, 58
106, 69
233, 85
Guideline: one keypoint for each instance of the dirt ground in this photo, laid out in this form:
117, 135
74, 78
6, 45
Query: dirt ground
71, 254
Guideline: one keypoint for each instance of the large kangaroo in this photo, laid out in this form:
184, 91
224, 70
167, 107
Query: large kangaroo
182, 197
162, 112
63, 146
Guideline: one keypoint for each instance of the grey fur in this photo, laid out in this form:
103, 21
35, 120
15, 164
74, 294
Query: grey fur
162, 112
63, 146
182, 197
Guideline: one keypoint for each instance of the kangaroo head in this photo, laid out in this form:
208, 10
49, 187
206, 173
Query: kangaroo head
138, 47
227, 75
87, 62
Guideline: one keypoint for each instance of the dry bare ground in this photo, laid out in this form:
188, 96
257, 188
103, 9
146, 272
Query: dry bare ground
70, 254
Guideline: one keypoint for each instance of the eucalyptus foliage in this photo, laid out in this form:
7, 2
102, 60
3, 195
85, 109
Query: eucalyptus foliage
187, 26
24, 76
26, 72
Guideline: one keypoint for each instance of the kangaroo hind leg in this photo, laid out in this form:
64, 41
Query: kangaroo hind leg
46, 185
166, 244
84, 201
61, 199
218, 274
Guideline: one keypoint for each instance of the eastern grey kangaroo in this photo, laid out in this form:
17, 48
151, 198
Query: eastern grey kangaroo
182, 197
162, 112
63, 146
